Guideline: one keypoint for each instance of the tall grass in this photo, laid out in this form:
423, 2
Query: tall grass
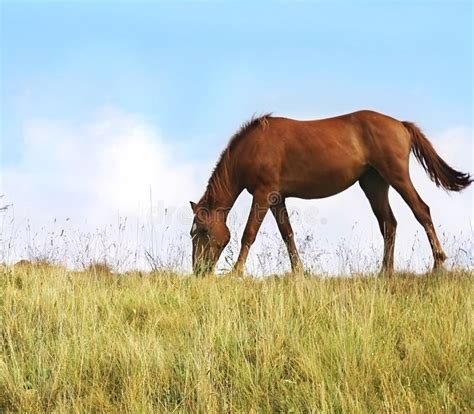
95, 342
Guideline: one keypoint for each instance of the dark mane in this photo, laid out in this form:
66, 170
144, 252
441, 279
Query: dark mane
246, 127
220, 174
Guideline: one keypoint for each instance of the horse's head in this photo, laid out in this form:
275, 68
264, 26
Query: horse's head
209, 235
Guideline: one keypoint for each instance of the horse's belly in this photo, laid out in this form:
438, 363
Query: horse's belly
319, 183
322, 164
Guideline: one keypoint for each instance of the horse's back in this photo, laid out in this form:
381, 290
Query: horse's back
318, 158
307, 159
363, 134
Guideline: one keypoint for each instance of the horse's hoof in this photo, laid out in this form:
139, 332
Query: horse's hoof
238, 274
438, 270
386, 273
298, 270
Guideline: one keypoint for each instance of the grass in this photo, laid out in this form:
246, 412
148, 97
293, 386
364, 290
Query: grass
95, 342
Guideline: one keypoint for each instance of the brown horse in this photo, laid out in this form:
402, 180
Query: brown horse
275, 158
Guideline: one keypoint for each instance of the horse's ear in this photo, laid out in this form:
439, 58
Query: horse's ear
193, 206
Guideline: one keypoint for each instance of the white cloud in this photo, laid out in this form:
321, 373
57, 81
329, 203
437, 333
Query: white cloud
95, 172
107, 165
98, 172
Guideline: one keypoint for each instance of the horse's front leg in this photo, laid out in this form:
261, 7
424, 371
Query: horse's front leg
260, 206
283, 221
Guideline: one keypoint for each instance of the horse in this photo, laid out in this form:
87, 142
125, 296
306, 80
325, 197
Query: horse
274, 158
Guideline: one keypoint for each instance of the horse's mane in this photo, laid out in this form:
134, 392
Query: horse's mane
219, 180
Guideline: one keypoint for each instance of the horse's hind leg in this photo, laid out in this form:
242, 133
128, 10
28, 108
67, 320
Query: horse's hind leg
376, 190
399, 179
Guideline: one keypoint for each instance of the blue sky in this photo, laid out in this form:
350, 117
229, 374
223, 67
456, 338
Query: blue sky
188, 73
198, 69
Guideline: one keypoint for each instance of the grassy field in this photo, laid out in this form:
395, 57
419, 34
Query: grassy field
91, 342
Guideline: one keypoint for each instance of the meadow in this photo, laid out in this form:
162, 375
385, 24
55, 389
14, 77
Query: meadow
92, 341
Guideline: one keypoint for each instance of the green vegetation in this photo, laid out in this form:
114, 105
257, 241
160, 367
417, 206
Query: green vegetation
96, 342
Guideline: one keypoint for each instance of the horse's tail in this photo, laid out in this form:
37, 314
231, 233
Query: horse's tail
437, 169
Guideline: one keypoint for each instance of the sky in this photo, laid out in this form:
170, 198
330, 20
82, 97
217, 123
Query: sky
116, 112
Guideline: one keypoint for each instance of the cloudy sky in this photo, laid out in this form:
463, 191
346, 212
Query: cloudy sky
114, 113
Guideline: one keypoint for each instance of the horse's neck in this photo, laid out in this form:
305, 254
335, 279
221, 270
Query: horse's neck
222, 193
223, 201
